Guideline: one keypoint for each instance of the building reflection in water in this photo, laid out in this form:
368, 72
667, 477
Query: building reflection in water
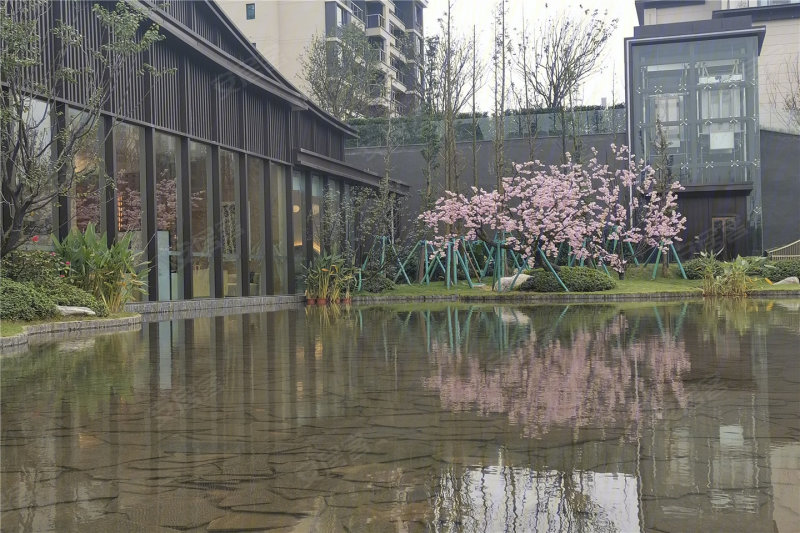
474, 418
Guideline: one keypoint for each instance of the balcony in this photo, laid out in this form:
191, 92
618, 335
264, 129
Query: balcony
376, 21
399, 107
380, 54
741, 4
354, 9
377, 90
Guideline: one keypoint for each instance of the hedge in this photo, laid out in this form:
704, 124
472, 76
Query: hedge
22, 301
62, 293
783, 269
577, 279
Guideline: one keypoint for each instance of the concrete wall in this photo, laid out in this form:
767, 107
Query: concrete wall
780, 182
407, 161
665, 15
780, 172
778, 62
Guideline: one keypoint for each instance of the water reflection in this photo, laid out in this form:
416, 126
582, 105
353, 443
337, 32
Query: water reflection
408, 418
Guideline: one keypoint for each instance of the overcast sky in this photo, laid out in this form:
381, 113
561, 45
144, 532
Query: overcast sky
467, 13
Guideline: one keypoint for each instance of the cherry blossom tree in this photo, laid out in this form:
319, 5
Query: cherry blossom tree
585, 206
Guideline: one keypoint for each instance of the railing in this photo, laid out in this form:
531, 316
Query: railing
377, 90
788, 251
356, 10
399, 107
380, 54
375, 21
740, 4
516, 126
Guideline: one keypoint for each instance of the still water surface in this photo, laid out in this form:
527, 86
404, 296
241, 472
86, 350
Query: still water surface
639, 417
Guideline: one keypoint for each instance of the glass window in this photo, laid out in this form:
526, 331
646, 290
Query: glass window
170, 273
332, 213
199, 178
39, 220
87, 171
229, 220
299, 214
129, 149
255, 208
277, 189
250, 11
316, 213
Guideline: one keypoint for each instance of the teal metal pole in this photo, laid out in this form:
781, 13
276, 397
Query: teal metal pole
546, 262
658, 260
678, 260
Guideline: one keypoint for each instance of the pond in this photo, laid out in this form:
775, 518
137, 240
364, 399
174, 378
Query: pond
590, 418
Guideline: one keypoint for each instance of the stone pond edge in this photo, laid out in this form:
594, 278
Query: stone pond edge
193, 308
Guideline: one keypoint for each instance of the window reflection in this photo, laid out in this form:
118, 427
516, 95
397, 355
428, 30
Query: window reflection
229, 220
199, 177
280, 281
316, 213
88, 171
170, 276
299, 214
255, 205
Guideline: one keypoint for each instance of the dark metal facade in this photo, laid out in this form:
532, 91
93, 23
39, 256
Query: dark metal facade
214, 91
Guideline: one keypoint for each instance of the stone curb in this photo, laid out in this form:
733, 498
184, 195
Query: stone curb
516, 297
211, 304
52, 328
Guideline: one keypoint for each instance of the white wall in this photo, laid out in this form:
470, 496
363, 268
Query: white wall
281, 30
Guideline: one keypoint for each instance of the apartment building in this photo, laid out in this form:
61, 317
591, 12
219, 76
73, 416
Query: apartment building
282, 30
713, 74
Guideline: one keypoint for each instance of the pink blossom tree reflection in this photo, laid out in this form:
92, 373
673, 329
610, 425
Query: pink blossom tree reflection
569, 381
583, 206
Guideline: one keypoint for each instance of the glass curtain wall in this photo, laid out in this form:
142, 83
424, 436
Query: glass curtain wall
201, 238
168, 216
299, 213
333, 208
704, 96
129, 184
129, 149
280, 255
255, 205
229, 220
39, 221
317, 191
87, 172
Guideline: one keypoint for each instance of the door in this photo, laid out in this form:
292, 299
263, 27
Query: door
724, 233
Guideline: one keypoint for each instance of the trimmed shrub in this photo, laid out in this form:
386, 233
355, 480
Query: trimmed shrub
35, 266
541, 281
376, 282
697, 268
783, 269
22, 301
577, 279
65, 294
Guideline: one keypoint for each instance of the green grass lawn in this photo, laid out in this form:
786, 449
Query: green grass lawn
9, 328
637, 281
